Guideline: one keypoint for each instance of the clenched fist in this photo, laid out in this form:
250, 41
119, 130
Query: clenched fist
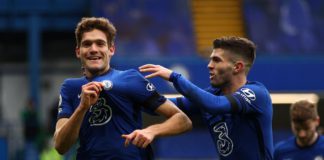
90, 94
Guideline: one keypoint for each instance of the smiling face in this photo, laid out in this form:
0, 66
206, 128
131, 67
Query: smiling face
221, 68
94, 52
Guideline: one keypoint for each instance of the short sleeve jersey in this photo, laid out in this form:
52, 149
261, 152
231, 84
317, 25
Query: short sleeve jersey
118, 111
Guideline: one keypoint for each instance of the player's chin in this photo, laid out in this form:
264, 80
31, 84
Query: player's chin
95, 68
95, 64
304, 140
214, 84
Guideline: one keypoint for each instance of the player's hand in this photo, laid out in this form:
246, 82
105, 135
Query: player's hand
157, 70
140, 138
90, 94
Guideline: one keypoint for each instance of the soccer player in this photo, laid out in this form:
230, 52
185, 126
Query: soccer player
307, 143
238, 112
103, 108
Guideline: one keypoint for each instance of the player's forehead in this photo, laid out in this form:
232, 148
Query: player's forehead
94, 35
304, 124
220, 54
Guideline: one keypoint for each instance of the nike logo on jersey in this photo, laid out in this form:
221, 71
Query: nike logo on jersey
79, 96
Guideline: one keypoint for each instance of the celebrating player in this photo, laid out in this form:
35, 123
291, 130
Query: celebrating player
238, 112
103, 108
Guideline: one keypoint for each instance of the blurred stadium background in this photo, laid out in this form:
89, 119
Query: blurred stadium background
37, 53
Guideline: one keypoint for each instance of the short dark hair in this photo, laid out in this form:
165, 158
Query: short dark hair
88, 24
238, 46
302, 111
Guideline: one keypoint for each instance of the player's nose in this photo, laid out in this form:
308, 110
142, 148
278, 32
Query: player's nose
93, 48
302, 133
210, 65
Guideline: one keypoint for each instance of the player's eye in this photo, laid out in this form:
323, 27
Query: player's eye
86, 44
215, 59
101, 43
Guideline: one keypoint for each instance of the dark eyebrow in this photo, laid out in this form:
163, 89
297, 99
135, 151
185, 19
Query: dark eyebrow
100, 40
85, 41
214, 58
94, 41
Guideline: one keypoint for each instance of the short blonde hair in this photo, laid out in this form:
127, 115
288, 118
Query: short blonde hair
302, 111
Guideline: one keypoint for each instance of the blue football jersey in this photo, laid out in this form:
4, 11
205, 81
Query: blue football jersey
118, 111
240, 124
288, 150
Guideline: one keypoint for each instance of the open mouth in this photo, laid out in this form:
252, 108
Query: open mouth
94, 58
211, 75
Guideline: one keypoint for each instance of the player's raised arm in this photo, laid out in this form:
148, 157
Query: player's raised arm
67, 129
238, 112
156, 70
202, 98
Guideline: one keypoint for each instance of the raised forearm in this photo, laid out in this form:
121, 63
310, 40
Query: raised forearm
209, 102
67, 129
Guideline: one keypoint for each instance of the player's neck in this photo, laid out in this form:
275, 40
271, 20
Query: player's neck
234, 85
91, 74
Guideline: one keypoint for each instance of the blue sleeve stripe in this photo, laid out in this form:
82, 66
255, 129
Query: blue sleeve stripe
233, 102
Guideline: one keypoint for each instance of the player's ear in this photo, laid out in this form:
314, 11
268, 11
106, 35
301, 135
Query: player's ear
112, 50
238, 66
77, 52
318, 120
